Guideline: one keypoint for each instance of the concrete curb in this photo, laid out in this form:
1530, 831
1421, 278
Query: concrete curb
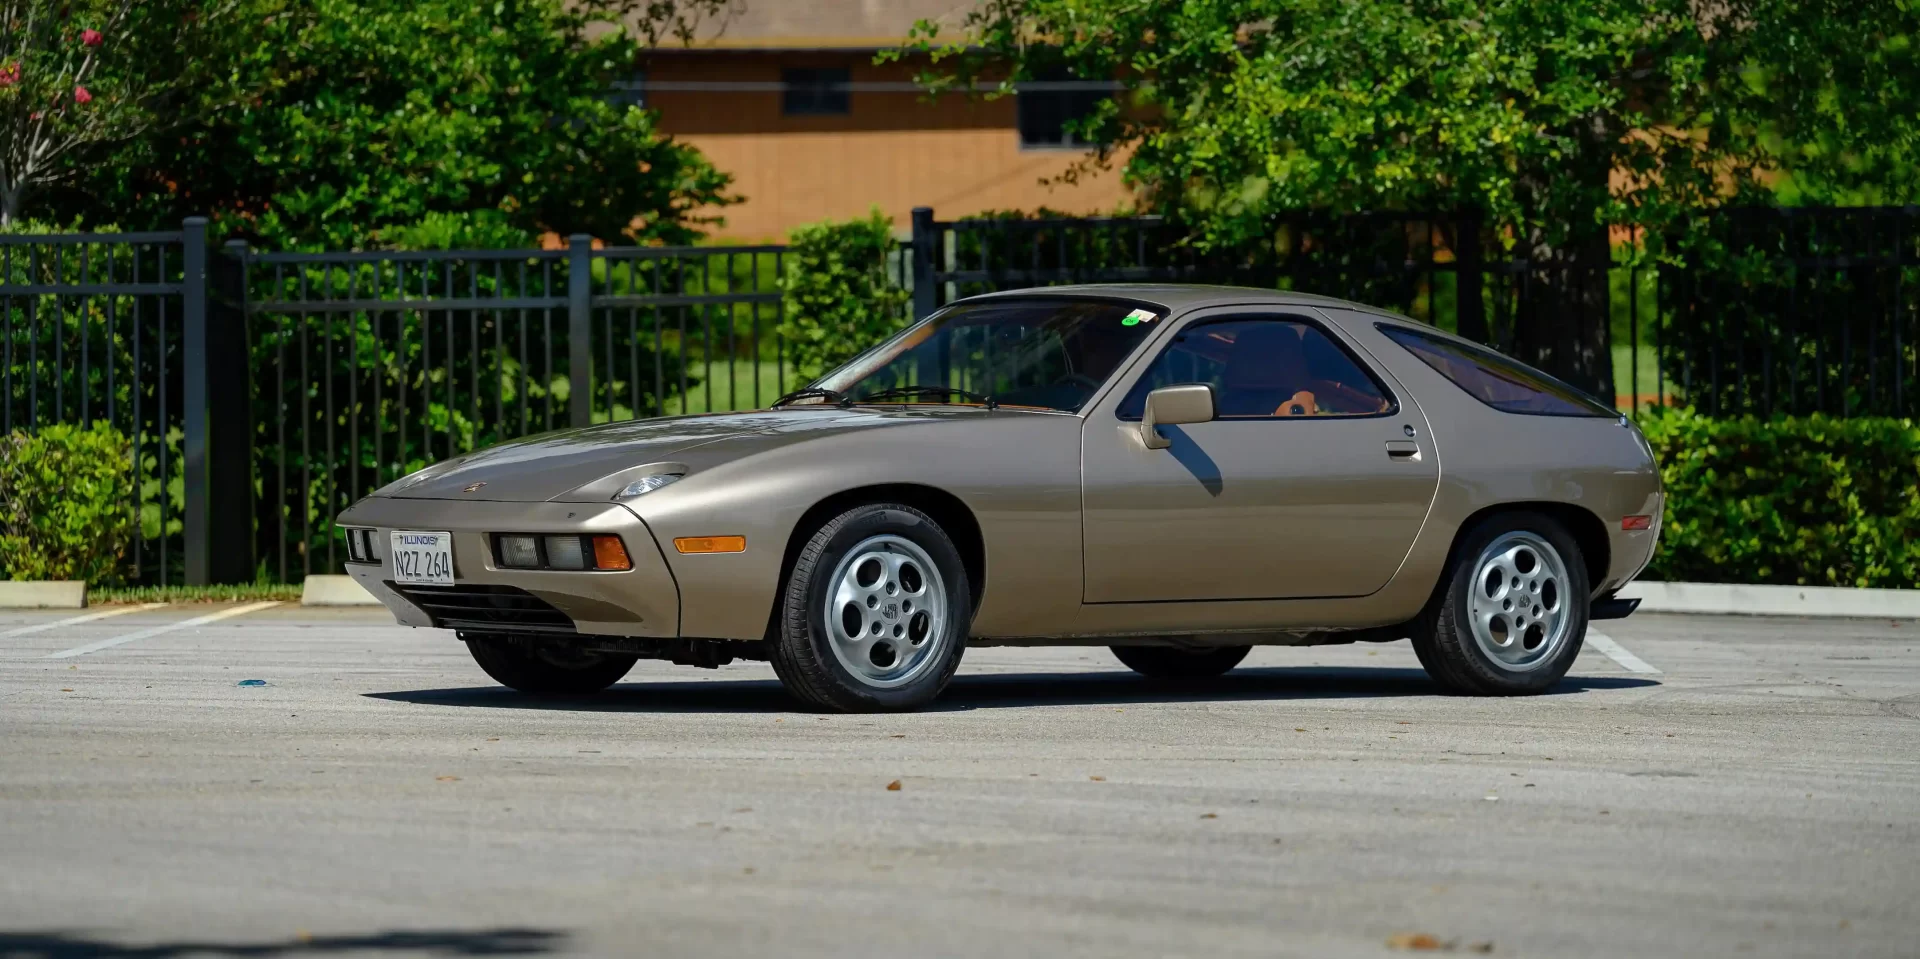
44, 594
1732, 598
335, 591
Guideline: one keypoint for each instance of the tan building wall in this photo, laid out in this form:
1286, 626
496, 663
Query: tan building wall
893, 148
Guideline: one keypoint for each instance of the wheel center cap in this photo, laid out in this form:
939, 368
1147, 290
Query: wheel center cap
891, 611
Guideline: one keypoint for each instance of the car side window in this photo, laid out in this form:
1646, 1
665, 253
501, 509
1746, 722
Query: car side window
1264, 369
1498, 381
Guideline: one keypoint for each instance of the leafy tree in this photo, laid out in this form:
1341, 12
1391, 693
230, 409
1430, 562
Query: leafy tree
368, 120
838, 296
1552, 118
78, 76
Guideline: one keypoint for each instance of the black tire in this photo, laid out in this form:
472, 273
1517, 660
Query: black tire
546, 669
1443, 636
1179, 662
801, 652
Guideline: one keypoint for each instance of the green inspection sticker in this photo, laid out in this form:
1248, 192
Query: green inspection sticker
1137, 317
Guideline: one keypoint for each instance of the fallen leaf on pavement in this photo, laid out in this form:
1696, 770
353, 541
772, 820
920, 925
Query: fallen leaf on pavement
1098, 779
898, 736
1299, 729
1209, 815
893, 787
65, 690
446, 779
1414, 940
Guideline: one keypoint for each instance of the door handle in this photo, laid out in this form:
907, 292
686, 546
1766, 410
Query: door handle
1403, 449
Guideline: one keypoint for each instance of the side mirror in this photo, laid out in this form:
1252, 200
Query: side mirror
1173, 406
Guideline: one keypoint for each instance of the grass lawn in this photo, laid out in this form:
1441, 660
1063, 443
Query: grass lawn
1648, 385
721, 389
242, 593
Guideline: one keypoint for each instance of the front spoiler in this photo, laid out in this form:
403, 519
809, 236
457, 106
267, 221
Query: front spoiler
643, 601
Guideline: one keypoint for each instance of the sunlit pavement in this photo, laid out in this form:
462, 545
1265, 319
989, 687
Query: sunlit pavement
1758, 795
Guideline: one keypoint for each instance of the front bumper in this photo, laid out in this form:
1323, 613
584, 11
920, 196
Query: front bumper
642, 601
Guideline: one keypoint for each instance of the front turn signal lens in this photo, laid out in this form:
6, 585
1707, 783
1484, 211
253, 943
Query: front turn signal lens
711, 544
610, 553
1636, 522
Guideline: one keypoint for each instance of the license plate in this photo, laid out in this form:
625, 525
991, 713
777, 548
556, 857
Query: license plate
424, 559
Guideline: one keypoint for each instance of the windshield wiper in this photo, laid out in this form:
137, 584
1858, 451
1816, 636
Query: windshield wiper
832, 396
903, 391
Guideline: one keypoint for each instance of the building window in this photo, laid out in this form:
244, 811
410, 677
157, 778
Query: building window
630, 92
1049, 102
814, 92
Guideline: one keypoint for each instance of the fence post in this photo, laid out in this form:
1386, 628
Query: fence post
580, 330
1469, 264
925, 238
193, 302
229, 419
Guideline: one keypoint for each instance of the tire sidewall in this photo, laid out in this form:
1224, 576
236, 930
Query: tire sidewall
1547, 674
854, 528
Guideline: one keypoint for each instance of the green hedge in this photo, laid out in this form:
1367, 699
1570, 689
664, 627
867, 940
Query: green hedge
1810, 501
65, 504
837, 295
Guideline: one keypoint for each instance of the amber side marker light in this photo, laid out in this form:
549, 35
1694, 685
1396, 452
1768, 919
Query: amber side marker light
711, 544
1636, 522
610, 553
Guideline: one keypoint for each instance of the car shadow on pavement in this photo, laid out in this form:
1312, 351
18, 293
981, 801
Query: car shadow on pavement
439, 942
999, 691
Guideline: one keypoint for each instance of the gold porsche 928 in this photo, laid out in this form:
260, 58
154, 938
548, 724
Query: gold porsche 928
1179, 473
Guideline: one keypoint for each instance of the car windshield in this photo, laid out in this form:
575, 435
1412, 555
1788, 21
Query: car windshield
1048, 353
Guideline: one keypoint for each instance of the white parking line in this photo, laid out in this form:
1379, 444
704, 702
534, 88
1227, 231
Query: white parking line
77, 620
157, 630
1618, 653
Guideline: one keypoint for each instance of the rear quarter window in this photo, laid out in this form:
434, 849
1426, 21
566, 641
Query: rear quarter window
1499, 381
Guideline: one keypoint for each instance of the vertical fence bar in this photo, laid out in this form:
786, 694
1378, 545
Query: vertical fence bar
229, 420
193, 300
579, 330
924, 299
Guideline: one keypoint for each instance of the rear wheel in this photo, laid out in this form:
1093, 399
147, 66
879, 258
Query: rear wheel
1512, 615
546, 668
1180, 662
875, 613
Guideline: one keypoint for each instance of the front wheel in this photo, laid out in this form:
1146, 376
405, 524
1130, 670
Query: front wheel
875, 613
1510, 619
546, 668
1180, 662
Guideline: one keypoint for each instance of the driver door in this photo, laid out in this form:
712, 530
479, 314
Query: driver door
1313, 479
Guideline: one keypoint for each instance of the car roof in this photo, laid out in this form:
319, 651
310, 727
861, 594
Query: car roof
1185, 296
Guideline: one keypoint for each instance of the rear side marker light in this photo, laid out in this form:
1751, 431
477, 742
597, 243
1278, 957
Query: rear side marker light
1636, 522
610, 553
711, 544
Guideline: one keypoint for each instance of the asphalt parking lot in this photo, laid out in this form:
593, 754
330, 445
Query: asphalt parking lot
1758, 795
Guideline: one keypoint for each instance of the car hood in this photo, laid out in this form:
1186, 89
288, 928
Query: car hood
593, 463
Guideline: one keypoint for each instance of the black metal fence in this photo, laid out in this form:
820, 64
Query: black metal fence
370, 365
95, 328
265, 392
1748, 311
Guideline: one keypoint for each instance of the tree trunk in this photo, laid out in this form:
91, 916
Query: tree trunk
1564, 322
